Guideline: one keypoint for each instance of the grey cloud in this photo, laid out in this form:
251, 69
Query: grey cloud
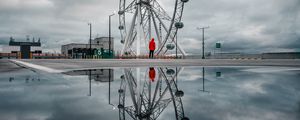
229, 20
250, 26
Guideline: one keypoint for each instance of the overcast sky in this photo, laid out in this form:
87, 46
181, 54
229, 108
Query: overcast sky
249, 26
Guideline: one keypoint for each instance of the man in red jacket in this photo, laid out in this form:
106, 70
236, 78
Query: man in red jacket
151, 48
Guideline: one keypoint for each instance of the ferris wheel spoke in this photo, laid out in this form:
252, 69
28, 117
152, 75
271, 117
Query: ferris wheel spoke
173, 30
156, 15
160, 11
160, 20
158, 34
162, 43
146, 31
146, 23
130, 8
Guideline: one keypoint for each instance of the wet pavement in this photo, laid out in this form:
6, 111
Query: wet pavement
7, 66
162, 93
60, 64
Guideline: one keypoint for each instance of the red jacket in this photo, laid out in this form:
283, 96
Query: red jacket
152, 74
152, 44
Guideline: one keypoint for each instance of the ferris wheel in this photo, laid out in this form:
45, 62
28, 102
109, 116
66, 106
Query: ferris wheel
141, 20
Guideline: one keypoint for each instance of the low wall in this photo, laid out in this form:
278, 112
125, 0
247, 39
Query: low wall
291, 55
283, 55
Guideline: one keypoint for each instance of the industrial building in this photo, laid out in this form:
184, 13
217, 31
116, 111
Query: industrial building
23, 50
26, 50
99, 49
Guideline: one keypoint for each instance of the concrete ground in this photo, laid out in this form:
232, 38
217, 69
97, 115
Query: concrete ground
7, 66
68, 64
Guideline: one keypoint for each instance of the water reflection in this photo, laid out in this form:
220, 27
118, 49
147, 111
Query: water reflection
203, 81
98, 75
150, 91
27, 79
150, 95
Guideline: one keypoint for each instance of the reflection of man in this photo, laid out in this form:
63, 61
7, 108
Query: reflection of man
152, 74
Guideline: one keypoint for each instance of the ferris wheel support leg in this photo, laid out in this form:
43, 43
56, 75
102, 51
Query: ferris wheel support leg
139, 28
130, 34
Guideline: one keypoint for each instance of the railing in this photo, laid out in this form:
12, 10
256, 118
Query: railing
48, 56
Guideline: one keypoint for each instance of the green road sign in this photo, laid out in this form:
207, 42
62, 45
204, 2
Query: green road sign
99, 52
103, 53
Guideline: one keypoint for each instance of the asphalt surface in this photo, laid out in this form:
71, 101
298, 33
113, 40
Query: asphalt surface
8, 66
65, 64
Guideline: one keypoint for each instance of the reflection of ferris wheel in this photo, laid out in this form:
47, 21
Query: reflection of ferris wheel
141, 20
148, 100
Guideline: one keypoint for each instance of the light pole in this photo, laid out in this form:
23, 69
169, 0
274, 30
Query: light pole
109, 36
203, 28
90, 51
176, 49
109, 78
90, 83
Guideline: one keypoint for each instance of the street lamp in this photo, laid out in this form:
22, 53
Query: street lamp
202, 39
109, 36
90, 51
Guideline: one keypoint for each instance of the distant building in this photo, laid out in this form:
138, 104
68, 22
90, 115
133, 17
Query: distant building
26, 50
104, 41
23, 50
79, 51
